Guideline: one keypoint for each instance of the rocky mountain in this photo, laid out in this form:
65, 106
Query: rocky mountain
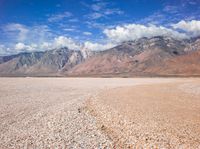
134, 57
49, 63
4, 59
156, 56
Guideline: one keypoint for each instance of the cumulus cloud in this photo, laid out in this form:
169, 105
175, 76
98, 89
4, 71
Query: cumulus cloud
136, 31
20, 46
97, 46
42, 39
58, 42
63, 41
191, 27
23, 47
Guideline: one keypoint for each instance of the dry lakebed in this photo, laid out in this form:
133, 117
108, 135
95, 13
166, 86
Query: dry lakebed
99, 113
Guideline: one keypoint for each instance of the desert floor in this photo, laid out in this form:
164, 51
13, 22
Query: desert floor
99, 112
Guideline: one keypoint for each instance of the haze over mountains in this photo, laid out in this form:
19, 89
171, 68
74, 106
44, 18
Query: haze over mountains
155, 56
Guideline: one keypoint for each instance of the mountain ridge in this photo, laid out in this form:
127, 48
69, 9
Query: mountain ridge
141, 57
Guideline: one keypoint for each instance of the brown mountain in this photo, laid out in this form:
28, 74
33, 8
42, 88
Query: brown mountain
132, 58
184, 65
156, 56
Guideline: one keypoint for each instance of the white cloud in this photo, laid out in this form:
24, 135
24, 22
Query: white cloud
87, 33
96, 46
69, 29
16, 32
20, 46
41, 36
192, 27
4, 50
135, 31
59, 17
15, 29
46, 46
63, 41
23, 47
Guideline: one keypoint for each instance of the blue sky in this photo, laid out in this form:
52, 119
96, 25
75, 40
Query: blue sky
28, 25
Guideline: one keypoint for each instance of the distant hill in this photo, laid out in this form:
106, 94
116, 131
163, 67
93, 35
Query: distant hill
156, 56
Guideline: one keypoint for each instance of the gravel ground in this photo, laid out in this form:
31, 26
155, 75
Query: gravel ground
150, 116
54, 112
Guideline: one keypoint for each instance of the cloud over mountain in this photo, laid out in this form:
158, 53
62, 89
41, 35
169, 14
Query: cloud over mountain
97, 46
92, 24
135, 31
112, 36
191, 27
62, 41
23, 47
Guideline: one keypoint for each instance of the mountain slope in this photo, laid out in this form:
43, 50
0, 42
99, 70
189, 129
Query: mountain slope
185, 65
49, 63
131, 57
156, 56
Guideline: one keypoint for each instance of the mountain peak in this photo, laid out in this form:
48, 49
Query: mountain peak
130, 57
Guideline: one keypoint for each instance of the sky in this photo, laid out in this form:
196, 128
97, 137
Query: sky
36, 25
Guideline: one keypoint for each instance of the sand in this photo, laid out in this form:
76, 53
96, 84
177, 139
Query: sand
99, 112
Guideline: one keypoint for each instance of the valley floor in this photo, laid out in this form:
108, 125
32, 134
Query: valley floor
99, 112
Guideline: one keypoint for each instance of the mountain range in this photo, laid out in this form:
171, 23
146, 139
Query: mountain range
155, 56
